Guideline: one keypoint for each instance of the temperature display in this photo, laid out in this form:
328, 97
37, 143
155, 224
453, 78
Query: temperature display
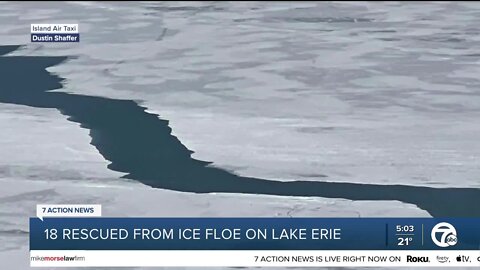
404, 241
406, 235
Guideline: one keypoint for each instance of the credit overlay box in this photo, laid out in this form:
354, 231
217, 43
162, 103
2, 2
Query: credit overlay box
54, 33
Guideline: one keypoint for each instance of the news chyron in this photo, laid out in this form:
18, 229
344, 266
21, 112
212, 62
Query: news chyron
58, 32
85, 236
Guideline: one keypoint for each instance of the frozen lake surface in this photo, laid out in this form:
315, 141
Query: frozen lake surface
367, 93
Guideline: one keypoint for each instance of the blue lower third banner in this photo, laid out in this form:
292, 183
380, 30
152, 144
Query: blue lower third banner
254, 234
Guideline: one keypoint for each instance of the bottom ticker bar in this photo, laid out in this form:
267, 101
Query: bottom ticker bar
252, 258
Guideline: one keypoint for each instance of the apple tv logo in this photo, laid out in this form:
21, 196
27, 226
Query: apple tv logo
463, 258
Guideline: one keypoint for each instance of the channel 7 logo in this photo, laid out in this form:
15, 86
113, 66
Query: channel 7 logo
447, 234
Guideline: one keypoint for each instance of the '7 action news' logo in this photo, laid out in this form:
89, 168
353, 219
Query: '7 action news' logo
447, 233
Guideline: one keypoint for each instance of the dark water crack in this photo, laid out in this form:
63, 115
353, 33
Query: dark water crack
141, 145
